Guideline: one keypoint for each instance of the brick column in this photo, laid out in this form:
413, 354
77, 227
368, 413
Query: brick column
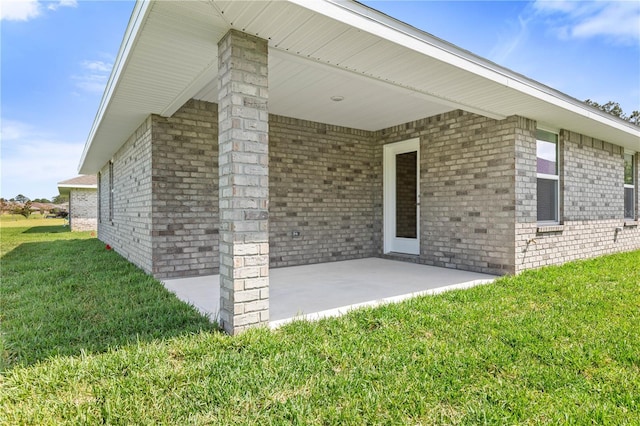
244, 181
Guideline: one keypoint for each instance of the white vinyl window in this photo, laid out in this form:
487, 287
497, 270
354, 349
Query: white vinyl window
548, 177
629, 187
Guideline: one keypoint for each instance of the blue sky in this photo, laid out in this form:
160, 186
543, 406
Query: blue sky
56, 57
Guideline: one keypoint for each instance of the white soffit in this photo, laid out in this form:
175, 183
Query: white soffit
388, 72
169, 51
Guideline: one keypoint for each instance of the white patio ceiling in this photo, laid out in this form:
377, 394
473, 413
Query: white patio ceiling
388, 72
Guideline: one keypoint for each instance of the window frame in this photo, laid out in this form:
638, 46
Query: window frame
99, 197
110, 191
546, 176
632, 186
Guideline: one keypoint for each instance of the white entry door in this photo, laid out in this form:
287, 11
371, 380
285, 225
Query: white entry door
402, 197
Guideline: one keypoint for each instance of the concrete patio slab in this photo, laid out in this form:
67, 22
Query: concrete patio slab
201, 292
330, 289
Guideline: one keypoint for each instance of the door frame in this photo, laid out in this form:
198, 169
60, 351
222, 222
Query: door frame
391, 242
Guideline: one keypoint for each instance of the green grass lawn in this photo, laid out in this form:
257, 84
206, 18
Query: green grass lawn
63, 293
19, 221
559, 345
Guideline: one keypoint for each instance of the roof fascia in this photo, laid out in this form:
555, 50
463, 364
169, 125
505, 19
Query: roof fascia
78, 186
138, 16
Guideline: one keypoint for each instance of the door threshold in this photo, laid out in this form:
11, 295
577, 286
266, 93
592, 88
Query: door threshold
405, 257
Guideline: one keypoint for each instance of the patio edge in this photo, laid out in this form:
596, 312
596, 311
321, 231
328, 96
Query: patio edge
336, 312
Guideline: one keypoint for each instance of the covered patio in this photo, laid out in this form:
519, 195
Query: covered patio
237, 137
332, 289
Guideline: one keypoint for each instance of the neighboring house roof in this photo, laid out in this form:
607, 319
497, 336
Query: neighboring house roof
78, 182
43, 206
40, 206
388, 72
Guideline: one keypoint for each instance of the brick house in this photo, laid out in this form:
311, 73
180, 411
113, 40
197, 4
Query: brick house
83, 202
238, 136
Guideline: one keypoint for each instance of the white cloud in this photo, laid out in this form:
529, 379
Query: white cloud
99, 66
19, 10
555, 6
616, 20
62, 3
94, 76
34, 161
13, 130
25, 10
507, 45
620, 20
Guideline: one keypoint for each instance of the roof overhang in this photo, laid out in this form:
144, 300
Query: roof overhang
66, 189
388, 72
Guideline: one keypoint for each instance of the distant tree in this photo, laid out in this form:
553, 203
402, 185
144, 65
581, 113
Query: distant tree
21, 198
24, 210
614, 108
41, 200
59, 199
